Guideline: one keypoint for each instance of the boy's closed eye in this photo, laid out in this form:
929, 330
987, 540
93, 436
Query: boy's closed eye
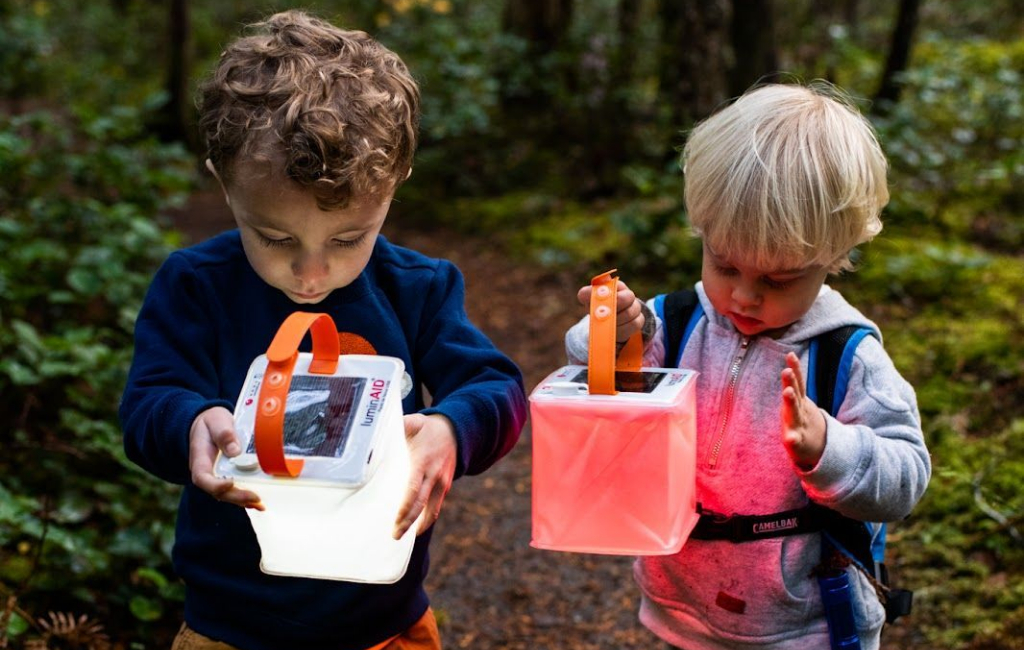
276, 242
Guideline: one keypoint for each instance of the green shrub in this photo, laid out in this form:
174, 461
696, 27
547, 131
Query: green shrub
81, 528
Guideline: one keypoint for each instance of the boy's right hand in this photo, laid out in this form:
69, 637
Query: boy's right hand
629, 317
213, 430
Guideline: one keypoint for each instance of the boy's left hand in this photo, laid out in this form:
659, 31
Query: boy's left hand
432, 448
803, 424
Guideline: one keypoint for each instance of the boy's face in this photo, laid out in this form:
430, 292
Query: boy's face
291, 243
759, 300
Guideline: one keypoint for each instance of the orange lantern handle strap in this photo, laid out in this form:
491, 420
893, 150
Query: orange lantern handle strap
601, 360
281, 357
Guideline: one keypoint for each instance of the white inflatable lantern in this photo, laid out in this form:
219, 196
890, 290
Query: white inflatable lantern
324, 448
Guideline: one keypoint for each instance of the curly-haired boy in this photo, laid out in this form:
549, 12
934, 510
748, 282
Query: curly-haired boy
310, 130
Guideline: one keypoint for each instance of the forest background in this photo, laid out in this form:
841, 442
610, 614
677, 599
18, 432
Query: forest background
551, 129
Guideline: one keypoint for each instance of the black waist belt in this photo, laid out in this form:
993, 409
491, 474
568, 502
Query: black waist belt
747, 528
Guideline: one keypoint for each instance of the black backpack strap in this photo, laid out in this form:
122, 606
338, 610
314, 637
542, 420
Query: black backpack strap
677, 311
831, 356
827, 351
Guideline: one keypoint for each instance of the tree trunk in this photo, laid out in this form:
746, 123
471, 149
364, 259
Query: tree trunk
899, 54
172, 123
851, 11
753, 43
625, 53
615, 128
691, 58
542, 24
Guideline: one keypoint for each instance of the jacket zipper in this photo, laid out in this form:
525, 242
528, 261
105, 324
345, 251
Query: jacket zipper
730, 395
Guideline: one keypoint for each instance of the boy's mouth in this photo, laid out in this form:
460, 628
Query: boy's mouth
311, 297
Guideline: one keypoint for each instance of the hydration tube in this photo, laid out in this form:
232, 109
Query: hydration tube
838, 602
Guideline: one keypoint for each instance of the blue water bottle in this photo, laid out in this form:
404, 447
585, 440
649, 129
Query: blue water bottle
838, 602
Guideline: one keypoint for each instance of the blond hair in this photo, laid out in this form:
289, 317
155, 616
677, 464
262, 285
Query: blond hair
338, 110
786, 174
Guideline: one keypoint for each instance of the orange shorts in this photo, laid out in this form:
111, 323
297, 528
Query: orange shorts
423, 635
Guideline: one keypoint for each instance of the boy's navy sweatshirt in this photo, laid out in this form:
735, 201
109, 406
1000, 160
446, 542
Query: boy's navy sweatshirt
206, 316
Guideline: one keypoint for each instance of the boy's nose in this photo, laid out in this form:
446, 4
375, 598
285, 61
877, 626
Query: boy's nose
310, 268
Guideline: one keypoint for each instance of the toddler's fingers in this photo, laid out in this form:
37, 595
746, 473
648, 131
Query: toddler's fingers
583, 295
788, 379
789, 394
793, 363
628, 312
791, 415
625, 298
623, 331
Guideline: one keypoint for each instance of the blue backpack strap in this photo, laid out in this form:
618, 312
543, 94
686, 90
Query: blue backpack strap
680, 311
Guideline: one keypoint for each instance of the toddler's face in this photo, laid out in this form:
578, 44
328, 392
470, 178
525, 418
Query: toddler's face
291, 243
759, 300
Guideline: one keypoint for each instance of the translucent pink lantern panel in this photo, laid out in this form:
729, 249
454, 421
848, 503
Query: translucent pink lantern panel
614, 474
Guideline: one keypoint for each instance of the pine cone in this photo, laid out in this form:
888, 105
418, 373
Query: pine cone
62, 631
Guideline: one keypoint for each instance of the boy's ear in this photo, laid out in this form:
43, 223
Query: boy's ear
213, 170
407, 174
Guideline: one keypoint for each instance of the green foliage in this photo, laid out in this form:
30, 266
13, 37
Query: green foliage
78, 199
963, 546
24, 43
956, 141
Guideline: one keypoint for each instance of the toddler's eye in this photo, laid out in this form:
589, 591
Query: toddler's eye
777, 284
724, 270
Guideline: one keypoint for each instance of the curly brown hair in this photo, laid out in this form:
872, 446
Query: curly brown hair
337, 107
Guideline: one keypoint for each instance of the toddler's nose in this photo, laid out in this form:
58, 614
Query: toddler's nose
745, 296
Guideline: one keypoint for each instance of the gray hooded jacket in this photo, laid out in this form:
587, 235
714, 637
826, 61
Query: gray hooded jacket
875, 467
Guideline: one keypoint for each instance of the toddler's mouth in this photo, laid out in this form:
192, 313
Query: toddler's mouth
744, 322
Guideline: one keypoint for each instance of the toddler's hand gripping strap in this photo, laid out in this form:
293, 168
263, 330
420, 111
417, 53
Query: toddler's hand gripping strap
601, 353
281, 357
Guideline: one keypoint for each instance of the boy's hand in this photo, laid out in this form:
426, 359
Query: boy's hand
803, 424
214, 429
432, 448
629, 317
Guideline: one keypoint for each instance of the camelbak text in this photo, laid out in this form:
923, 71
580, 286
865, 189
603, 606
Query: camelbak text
772, 526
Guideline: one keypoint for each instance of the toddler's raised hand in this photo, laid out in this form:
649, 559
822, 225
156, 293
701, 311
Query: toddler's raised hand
214, 429
432, 449
803, 425
629, 317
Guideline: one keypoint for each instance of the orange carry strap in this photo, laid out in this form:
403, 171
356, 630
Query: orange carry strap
281, 357
601, 360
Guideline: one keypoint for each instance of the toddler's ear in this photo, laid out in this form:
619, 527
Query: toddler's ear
407, 174
213, 170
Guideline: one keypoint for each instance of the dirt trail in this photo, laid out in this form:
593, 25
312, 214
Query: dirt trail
489, 588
